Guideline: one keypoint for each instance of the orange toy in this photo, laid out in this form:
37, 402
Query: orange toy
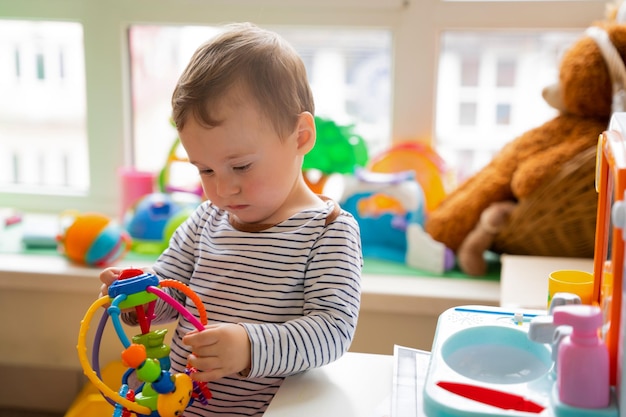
92, 239
608, 264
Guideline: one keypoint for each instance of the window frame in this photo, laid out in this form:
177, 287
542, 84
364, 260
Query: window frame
415, 26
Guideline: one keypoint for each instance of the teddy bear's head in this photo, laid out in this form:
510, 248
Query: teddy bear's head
592, 74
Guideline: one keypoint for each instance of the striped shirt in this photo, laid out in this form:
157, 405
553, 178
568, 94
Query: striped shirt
294, 286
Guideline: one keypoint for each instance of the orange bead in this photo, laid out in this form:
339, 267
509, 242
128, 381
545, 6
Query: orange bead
134, 355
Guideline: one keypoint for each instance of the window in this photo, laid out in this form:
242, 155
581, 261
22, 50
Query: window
43, 142
349, 73
410, 70
493, 78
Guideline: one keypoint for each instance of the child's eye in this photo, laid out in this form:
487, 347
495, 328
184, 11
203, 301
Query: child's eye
242, 167
206, 172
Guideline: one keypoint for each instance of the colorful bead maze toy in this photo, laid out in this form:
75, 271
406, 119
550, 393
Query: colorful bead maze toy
161, 393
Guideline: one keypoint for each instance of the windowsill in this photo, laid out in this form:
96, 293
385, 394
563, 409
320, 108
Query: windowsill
386, 287
382, 293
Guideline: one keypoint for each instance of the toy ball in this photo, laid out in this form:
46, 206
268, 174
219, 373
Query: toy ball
153, 219
92, 239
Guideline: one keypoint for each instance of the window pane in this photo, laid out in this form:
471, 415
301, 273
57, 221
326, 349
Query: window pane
489, 91
43, 141
503, 114
349, 73
467, 114
469, 71
506, 72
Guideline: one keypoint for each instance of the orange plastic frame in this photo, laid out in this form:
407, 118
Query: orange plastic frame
609, 244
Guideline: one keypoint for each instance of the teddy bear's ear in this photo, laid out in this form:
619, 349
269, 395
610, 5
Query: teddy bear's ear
552, 95
615, 64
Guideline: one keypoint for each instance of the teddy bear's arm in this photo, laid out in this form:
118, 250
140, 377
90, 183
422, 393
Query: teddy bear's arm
459, 212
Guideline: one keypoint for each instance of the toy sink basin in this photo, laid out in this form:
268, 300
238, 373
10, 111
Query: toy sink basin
486, 347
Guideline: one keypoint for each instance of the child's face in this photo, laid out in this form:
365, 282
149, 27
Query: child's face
245, 168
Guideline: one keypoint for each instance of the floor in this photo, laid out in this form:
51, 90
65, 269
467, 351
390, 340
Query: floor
26, 413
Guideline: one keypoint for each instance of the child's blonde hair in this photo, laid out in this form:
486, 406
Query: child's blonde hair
261, 62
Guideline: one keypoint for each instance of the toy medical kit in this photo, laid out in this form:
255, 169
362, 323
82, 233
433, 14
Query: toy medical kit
492, 362
161, 392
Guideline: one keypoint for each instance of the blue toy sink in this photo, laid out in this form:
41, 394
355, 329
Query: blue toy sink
487, 350
495, 354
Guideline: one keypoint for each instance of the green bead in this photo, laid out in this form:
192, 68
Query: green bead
149, 371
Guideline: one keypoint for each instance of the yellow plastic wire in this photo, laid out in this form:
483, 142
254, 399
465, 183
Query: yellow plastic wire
87, 368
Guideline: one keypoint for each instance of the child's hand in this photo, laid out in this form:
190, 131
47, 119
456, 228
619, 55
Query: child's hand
218, 350
108, 276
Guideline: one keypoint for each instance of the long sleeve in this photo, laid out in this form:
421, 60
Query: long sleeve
332, 295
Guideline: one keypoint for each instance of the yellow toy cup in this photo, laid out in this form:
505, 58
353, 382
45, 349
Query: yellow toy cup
571, 281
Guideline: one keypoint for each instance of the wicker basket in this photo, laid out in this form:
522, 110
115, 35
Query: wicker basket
559, 219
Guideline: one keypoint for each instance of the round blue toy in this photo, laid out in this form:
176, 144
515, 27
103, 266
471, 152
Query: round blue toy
153, 219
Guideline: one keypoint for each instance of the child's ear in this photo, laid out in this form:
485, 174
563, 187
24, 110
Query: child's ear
306, 132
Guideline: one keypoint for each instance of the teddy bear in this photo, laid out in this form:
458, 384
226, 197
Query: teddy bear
474, 216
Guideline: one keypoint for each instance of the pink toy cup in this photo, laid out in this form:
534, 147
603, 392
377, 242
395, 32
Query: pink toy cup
134, 185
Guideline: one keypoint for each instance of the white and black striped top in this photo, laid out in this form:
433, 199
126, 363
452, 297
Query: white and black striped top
294, 286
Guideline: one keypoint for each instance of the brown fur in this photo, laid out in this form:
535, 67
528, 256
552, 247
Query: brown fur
584, 97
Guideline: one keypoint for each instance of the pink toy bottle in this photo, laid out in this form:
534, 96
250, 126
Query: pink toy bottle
583, 359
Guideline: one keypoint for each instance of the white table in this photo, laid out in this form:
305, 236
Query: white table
357, 384
524, 279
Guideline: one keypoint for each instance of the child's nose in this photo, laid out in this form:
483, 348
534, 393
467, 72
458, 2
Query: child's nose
227, 187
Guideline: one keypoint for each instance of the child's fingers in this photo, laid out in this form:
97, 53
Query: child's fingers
209, 368
104, 290
110, 275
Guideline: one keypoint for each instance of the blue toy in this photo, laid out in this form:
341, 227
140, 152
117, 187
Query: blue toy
153, 219
389, 208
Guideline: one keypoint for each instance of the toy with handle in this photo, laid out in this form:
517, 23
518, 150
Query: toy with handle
162, 393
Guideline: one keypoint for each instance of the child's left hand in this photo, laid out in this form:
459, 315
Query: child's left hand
218, 350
